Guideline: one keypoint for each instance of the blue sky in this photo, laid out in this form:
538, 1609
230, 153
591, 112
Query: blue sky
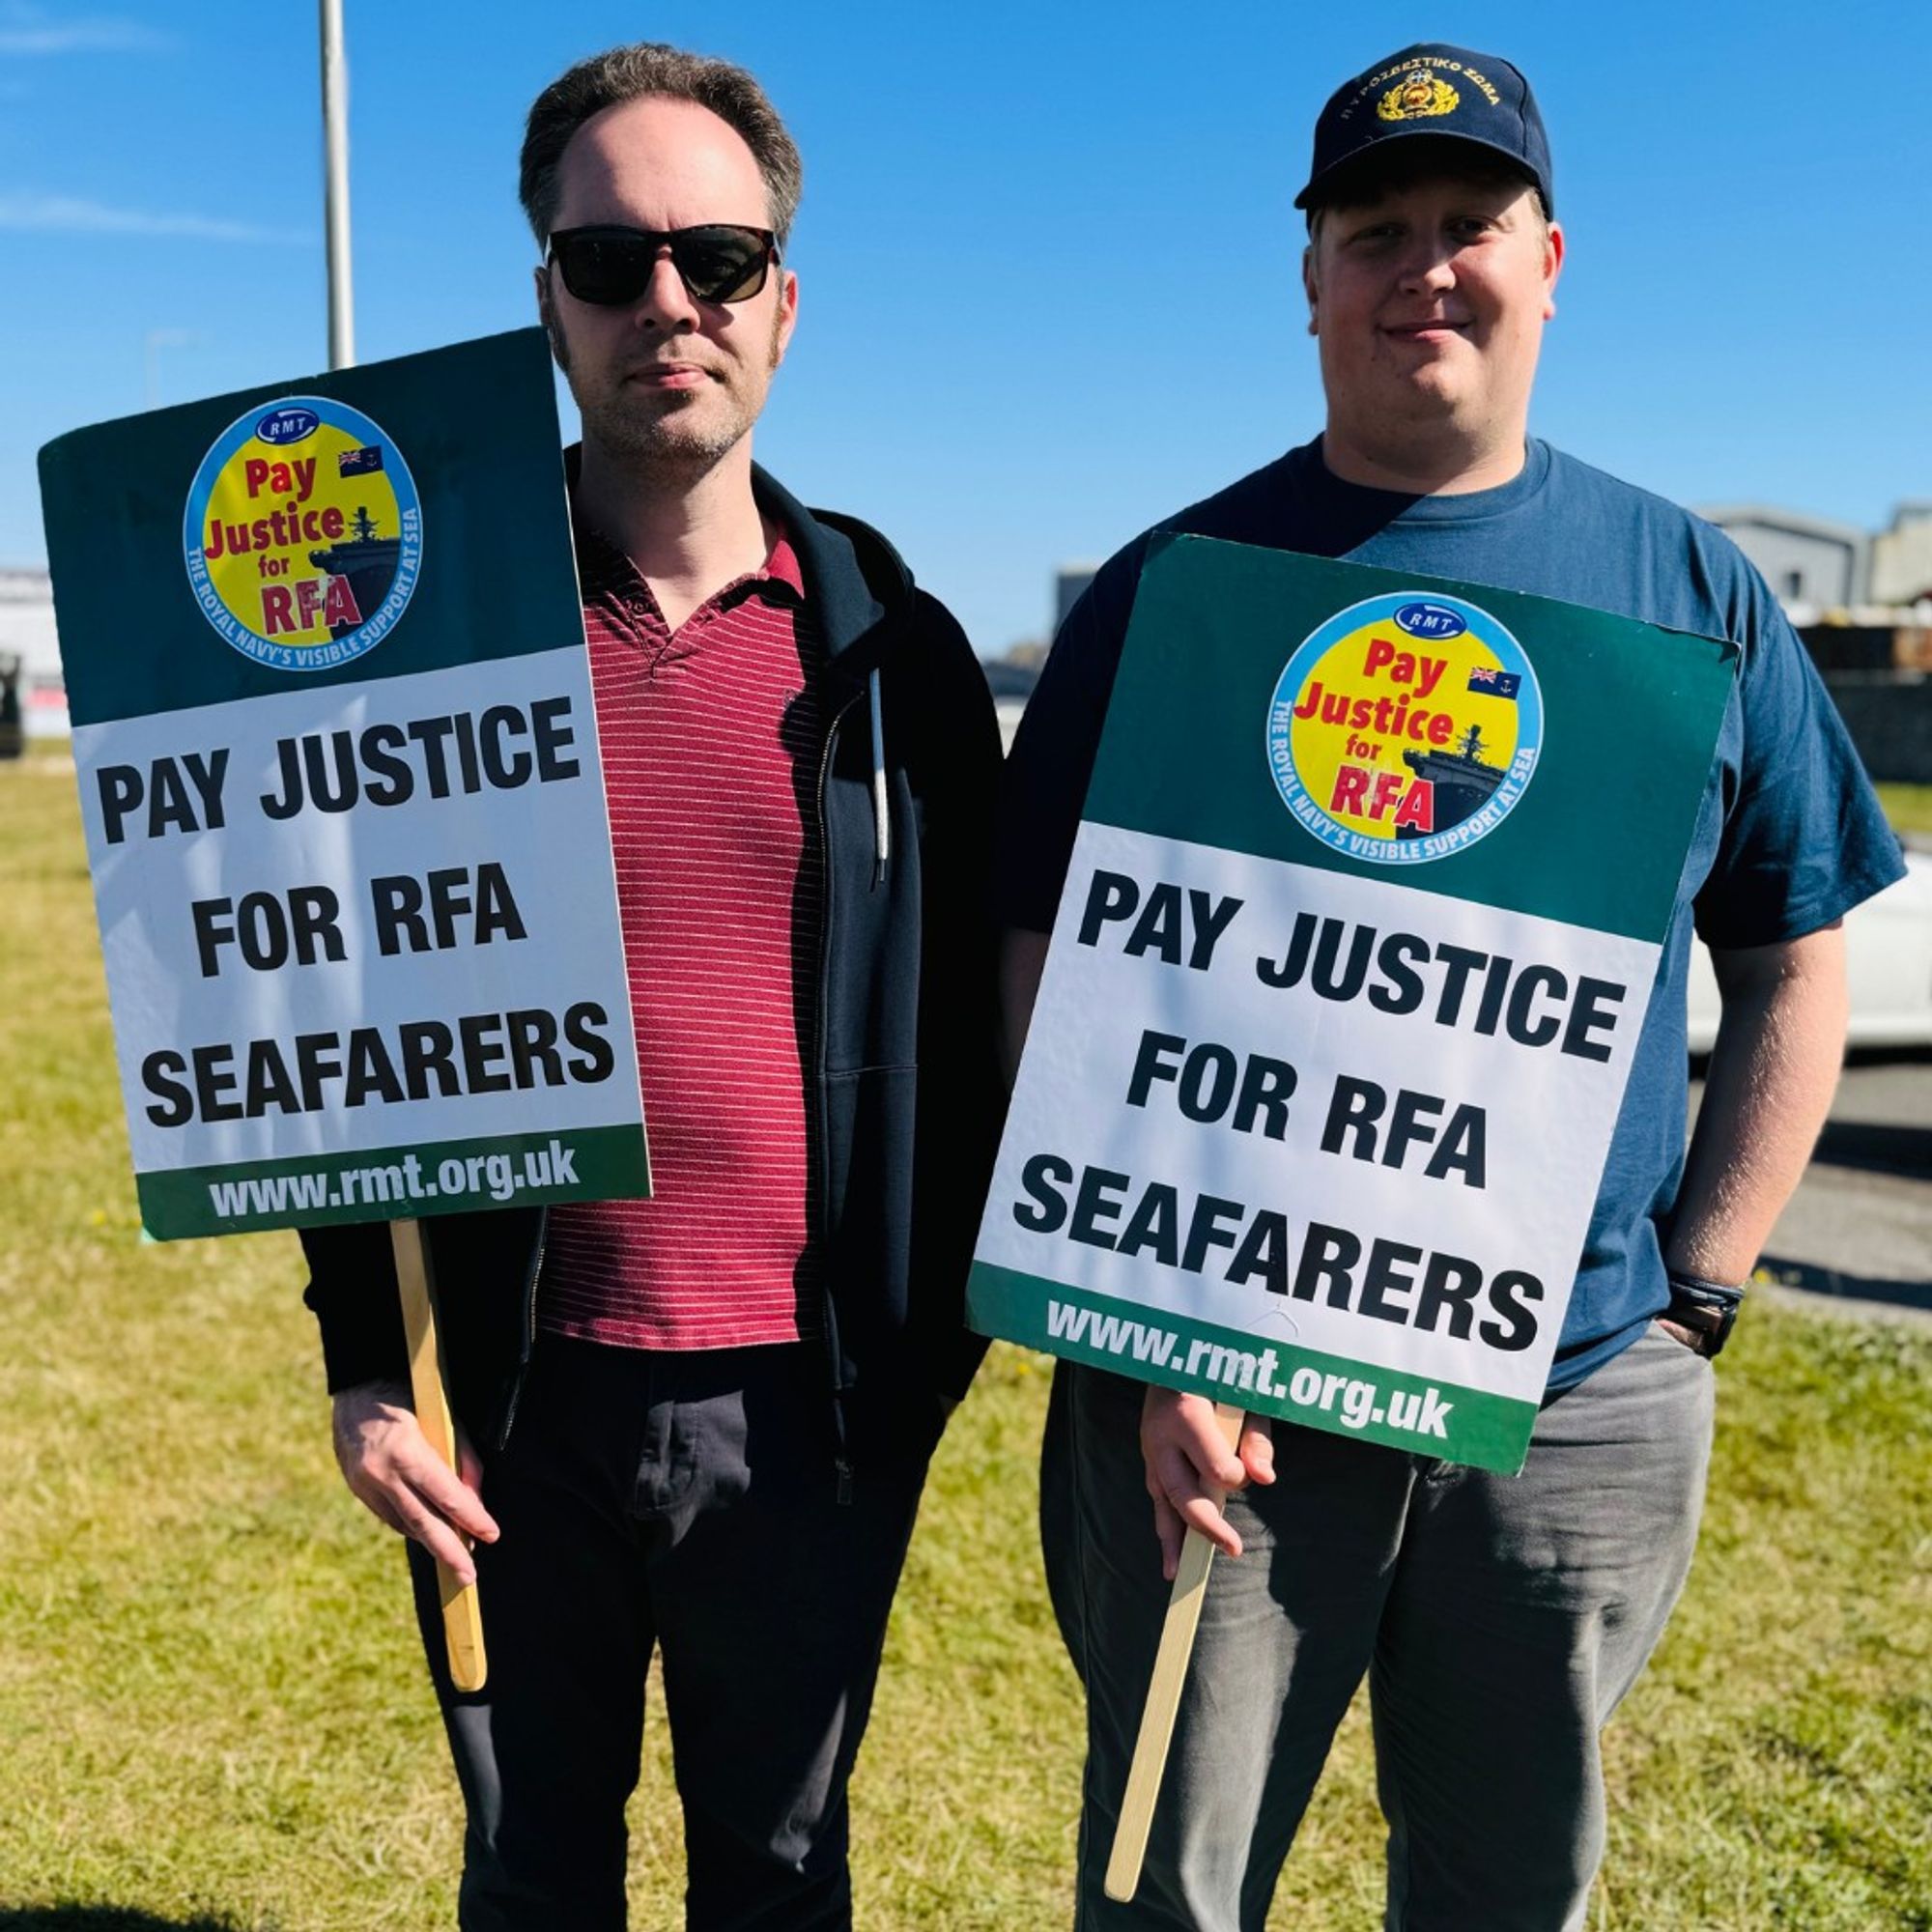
1048, 262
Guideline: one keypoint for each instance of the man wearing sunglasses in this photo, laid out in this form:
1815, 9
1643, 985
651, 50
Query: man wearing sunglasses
705, 1418
1499, 1620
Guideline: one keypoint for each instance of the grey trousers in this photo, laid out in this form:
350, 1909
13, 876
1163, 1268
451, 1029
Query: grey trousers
1500, 1620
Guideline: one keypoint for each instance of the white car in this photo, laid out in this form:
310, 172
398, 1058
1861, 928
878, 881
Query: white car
1887, 966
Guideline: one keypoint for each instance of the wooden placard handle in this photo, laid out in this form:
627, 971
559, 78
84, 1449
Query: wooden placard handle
1163, 1698
415, 1283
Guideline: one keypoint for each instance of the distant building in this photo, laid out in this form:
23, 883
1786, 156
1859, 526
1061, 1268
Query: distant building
1013, 676
1068, 582
1821, 569
1901, 557
1863, 606
27, 632
1810, 562
1011, 679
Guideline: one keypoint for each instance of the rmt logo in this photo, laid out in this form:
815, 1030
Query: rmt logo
287, 425
1430, 620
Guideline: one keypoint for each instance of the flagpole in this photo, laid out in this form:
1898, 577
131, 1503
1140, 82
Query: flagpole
336, 185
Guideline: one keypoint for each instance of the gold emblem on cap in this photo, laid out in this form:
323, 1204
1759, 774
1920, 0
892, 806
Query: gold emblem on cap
1417, 96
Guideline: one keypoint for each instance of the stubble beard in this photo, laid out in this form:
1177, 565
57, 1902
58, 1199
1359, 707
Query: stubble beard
666, 436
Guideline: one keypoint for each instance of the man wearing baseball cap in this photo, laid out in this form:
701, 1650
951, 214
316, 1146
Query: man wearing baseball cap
1500, 1620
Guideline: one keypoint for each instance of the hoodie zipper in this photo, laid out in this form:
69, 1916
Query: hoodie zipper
842, 1461
530, 1273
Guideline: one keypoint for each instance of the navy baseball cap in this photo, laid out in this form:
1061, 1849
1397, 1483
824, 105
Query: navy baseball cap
1448, 92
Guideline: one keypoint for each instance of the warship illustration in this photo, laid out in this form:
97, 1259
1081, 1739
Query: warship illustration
368, 560
1463, 779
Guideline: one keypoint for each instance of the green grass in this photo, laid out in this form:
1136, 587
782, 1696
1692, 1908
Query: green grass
212, 1714
1908, 807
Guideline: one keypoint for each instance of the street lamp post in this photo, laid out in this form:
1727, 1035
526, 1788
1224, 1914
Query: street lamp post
335, 187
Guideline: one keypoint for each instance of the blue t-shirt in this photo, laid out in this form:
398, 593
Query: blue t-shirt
1789, 836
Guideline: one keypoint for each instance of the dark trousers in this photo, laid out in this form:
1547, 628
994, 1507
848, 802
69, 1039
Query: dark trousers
687, 1501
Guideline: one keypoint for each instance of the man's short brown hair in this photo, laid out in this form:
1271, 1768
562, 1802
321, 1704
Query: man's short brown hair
637, 72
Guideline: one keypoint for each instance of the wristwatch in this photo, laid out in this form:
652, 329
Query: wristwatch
1705, 1312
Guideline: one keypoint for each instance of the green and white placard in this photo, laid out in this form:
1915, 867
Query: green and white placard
1358, 938
339, 772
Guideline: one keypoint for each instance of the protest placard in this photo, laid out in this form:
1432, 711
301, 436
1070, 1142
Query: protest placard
345, 816
1355, 946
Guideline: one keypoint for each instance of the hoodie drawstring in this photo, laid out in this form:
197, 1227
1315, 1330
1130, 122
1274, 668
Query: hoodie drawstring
882, 838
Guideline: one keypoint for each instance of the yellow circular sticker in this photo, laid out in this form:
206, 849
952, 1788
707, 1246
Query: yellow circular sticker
1406, 727
303, 535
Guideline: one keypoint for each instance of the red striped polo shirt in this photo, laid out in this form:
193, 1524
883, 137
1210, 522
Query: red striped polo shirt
710, 741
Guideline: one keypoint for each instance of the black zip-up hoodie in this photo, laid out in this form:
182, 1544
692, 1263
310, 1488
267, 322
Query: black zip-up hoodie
903, 1087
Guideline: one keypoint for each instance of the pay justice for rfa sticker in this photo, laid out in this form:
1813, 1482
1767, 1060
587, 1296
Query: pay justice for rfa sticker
1404, 728
303, 535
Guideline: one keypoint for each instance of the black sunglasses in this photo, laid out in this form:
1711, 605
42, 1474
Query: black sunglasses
611, 266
